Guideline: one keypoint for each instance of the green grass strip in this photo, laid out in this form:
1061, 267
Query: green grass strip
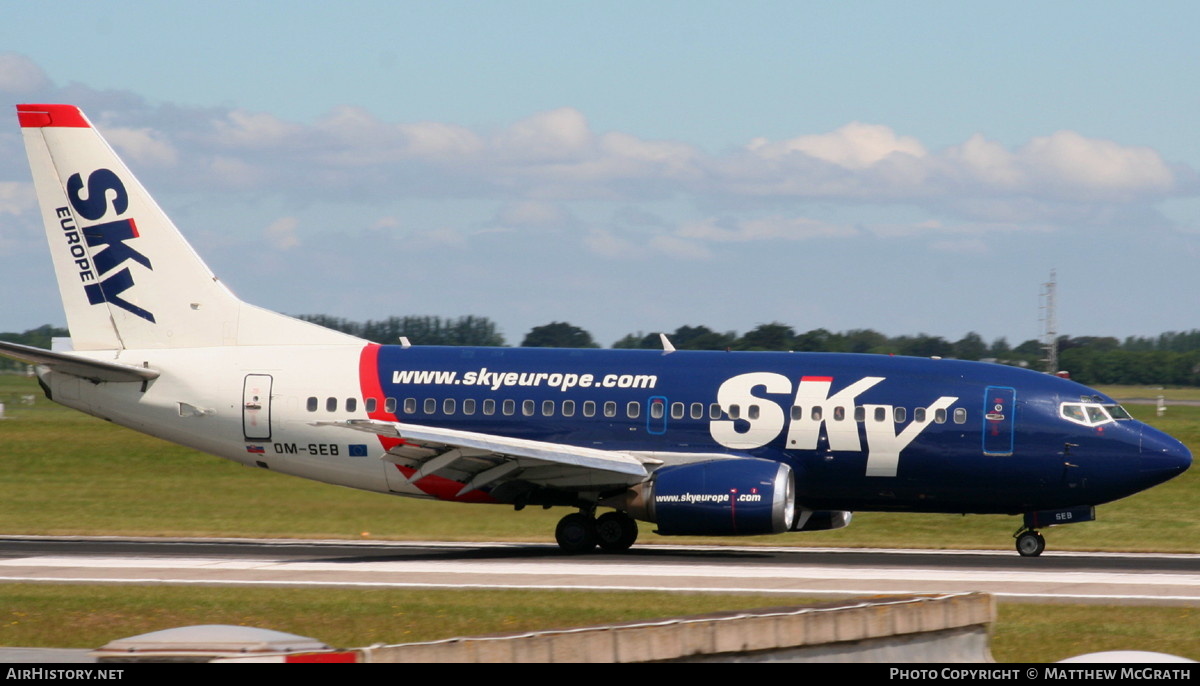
54, 615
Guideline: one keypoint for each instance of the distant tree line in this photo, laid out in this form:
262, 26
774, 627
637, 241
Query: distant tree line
1171, 358
38, 338
421, 330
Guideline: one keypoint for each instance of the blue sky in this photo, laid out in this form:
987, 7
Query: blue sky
637, 166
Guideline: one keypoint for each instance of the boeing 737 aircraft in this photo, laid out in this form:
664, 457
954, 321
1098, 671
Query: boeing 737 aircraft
697, 443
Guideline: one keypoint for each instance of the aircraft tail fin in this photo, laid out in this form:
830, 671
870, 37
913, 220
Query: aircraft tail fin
127, 277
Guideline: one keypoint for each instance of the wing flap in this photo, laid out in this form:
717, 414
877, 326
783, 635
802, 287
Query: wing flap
528, 454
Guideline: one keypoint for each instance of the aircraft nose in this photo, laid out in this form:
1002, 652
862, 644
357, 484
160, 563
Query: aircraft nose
1161, 456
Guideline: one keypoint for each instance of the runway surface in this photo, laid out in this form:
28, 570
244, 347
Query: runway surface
1104, 578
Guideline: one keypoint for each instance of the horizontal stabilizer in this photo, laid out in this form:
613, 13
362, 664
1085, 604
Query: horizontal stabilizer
83, 367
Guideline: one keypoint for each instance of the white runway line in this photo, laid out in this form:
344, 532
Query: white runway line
590, 568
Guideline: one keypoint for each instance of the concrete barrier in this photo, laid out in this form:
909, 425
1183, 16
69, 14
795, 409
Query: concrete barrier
940, 628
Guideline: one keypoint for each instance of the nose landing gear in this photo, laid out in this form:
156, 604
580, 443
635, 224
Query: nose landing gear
1029, 542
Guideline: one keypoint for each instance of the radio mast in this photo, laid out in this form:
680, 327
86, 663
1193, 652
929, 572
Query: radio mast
1049, 325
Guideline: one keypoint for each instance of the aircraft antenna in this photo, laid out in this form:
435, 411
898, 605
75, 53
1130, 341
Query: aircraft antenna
1049, 324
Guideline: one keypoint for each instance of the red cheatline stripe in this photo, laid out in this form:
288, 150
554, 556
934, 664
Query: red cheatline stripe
38, 116
342, 657
817, 378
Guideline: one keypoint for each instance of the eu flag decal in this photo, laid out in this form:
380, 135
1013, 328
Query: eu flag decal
358, 450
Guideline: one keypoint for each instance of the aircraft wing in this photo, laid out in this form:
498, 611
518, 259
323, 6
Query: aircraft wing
83, 367
480, 459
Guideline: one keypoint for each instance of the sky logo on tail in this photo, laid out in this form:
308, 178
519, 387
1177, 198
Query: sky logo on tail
106, 248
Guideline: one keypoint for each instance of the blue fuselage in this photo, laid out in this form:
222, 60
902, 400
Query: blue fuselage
862, 432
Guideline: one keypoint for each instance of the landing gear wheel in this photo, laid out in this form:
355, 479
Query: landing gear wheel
1030, 544
576, 533
615, 531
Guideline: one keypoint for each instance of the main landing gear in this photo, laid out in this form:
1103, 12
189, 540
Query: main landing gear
1029, 542
580, 532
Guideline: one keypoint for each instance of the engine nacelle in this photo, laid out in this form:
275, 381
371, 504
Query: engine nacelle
821, 520
735, 497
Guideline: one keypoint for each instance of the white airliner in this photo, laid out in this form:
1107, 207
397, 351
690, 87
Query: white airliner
700, 443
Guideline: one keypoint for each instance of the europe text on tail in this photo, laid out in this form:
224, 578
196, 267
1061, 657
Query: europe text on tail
697, 443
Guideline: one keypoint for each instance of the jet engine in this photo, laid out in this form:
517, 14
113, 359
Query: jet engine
744, 496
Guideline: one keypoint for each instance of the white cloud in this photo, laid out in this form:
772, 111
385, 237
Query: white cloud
255, 130
555, 136
532, 213
388, 223
436, 140
232, 173
765, 228
19, 74
550, 169
142, 146
853, 146
16, 197
445, 236
681, 248
1095, 166
281, 234
608, 244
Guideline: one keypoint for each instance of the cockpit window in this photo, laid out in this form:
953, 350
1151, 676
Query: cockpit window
1096, 414
1092, 413
1117, 412
1073, 412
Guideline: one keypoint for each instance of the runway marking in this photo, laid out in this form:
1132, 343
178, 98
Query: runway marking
811, 592
590, 568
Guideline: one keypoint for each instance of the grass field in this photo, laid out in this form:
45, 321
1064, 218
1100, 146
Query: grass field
65, 473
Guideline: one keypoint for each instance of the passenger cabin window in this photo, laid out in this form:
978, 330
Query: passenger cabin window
389, 405
331, 404
676, 410
489, 406
960, 415
430, 405
900, 414
370, 404
610, 408
547, 408
568, 408
410, 405
527, 407
468, 406
351, 404
697, 411
656, 409
312, 404
509, 407
589, 408
633, 409
448, 406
